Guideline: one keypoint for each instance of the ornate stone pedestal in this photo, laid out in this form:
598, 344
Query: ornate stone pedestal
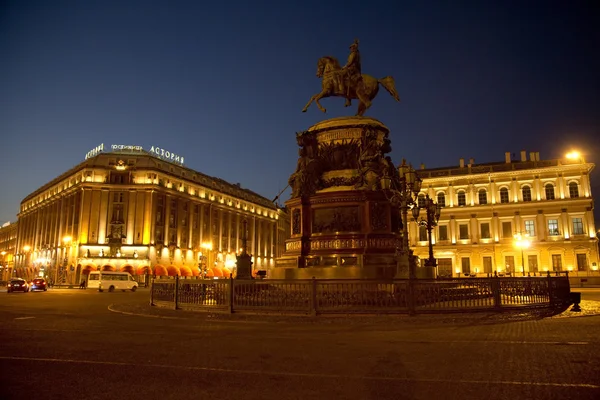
342, 224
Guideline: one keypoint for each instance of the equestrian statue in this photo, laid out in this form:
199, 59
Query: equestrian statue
349, 82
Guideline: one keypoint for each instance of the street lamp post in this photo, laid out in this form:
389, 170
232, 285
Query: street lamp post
404, 191
430, 221
522, 242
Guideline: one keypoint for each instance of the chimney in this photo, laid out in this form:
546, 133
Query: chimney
532, 156
422, 166
507, 157
523, 155
462, 162
537, 156
471, 161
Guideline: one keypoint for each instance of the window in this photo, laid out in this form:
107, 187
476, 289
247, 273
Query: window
482, 196
441, 199
573, 190
581, 262
487, 265
462, 198
466, 265
421, 201
532, 262
530, 228
504, 195
507, 229
485, 230
556, 262
463, 231
553, 227
422, 233
526, 193
443, 232
549, 191
577, 226
509, 262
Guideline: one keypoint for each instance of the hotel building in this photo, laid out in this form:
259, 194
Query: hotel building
517, 217
8, 243
131, 210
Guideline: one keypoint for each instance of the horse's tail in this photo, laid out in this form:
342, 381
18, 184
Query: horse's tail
389, 85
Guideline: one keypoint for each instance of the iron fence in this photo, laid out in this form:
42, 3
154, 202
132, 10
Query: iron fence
328, 296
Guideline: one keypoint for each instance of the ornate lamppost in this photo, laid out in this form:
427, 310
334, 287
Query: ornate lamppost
403, 192
430, 221
522, 242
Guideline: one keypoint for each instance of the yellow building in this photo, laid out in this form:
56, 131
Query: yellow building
8, 243
131, 210
516, 217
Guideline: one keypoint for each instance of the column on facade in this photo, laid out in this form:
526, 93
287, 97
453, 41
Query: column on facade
201, 227
561, 186
515, 192
495, 227
220, 230
229, 227
564, 218
585, 184
589, 223
474, 228
272, 238
238, 243
540, 225
493, 191
537, 194
452, 229
451, 200
167, 220
519, 228
149, 217
190, 218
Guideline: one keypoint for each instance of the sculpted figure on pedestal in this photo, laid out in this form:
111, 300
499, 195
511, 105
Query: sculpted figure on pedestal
349, 82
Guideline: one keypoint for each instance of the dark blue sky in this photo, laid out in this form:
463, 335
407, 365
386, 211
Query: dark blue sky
223, 83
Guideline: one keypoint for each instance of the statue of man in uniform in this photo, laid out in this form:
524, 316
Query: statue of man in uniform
353, 76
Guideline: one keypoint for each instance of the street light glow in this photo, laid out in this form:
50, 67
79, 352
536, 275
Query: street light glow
573, 155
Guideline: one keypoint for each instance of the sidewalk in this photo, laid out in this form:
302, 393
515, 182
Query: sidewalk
588, 308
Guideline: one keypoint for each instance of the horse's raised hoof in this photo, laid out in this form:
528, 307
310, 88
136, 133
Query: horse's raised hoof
304, 110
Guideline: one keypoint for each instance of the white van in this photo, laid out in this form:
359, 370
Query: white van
110, 281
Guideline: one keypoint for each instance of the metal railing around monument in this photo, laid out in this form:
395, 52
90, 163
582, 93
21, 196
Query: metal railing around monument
328, 296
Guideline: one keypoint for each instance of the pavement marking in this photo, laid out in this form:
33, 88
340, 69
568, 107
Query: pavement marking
24, 317
305, 375
112, 309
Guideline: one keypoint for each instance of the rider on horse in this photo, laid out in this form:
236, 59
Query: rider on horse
353, 76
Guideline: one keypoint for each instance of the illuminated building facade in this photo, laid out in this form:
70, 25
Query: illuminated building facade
517, 217
129, 210
8, 243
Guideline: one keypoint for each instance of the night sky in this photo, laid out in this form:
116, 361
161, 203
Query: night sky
223, 83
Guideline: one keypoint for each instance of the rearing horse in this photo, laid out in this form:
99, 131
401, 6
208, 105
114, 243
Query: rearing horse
334, 82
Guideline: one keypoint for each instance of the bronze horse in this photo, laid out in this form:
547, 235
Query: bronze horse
334, 82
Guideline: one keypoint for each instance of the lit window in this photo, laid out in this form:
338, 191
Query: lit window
526, 193
577, 226
482, 196
441, 199
462, 198
504, 195
573, 190
553, 227
549, 191
530, 228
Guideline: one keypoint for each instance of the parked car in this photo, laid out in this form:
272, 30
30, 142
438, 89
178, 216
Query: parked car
38, 284
17, 285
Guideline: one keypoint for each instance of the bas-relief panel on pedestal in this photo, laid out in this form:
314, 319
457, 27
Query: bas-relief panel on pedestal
337, 219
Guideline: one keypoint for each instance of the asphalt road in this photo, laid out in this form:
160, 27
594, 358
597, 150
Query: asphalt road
68, 344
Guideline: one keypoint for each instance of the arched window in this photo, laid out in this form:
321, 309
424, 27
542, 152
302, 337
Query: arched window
441, 199
462, 198
482, 196
421, 201
549, 191
573, 190
504, 195
526, 193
